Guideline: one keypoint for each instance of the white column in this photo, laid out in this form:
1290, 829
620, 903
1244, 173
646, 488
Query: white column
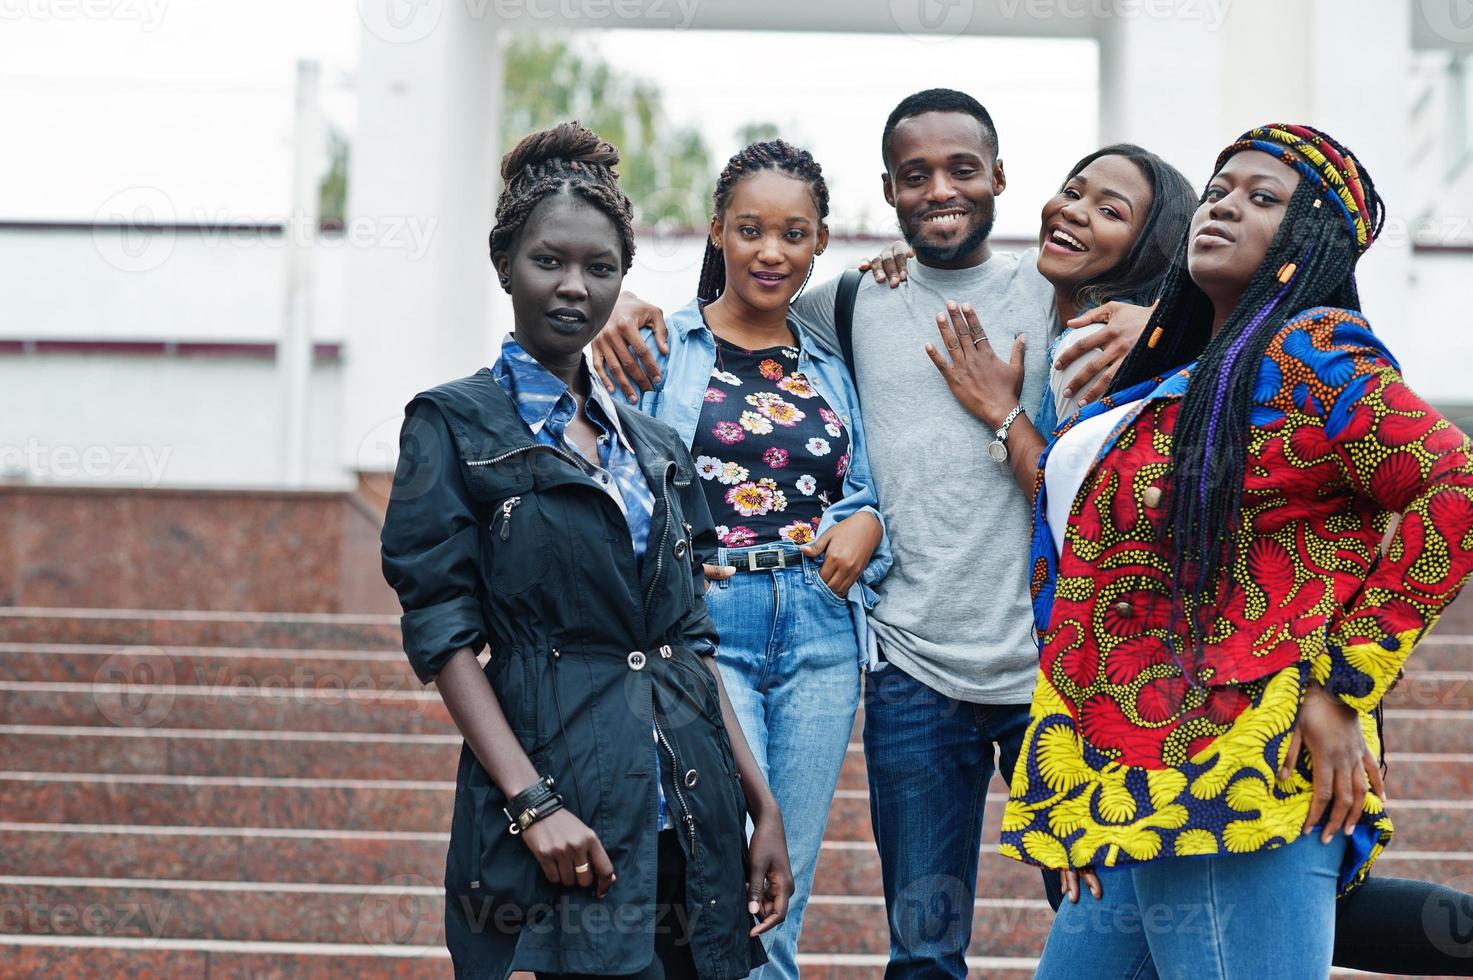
1362, 96
1186, 86
1161, 84
294, 351
422, 179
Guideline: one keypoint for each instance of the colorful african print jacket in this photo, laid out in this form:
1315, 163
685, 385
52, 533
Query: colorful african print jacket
1124, 759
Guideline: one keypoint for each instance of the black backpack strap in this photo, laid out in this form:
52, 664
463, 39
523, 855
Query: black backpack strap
844, 316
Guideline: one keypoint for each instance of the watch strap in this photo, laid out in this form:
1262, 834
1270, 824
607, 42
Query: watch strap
1002, 432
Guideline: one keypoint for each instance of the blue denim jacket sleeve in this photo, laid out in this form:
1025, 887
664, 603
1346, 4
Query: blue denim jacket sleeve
649, 400
859, 487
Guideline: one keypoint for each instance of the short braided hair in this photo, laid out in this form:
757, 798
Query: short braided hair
760, 156
1330, 220
568, 158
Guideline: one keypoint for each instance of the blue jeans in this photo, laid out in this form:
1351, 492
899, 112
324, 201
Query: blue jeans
790, 664
1261, 914
930, 760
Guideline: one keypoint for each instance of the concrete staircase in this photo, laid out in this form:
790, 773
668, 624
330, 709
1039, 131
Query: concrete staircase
260, 795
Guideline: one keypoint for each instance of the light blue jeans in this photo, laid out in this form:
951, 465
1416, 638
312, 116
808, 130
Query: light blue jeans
790, 664
1263, 914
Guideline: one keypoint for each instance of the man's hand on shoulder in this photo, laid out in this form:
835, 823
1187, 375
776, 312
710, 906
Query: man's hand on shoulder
620, 355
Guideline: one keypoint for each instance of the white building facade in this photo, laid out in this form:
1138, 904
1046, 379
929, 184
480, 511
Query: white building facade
257, 356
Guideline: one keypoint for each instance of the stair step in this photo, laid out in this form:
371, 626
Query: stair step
368, 858
181, 751
20, 624
424, 806
409, 911
135, 705
106, 956
222, 668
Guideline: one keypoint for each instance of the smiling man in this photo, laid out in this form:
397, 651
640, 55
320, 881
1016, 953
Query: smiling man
952, 624
952, 657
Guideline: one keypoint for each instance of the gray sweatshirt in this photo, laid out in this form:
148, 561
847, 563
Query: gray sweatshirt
954, 611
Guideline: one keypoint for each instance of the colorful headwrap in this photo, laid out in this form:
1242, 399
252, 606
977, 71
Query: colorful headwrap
1311, 153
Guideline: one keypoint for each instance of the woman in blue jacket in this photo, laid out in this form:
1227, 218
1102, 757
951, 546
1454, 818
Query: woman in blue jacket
772, 421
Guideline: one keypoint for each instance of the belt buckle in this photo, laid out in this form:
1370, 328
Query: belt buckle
761, 561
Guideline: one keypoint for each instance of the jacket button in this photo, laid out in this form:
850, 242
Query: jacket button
680, 548
691, 778
1124, 608
636, 661
1152, 496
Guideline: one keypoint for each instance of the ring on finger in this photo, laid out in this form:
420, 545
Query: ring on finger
582, 869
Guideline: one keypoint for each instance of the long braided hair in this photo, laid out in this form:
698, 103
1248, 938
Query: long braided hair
568, 158
764, 155
1331, 219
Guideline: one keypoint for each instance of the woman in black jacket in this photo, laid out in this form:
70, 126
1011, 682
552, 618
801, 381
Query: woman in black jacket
601, 799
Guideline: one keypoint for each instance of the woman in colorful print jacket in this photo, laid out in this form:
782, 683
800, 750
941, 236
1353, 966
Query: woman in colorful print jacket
1218, 621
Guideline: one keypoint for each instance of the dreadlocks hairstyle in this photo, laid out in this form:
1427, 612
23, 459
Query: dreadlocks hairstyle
1332, 217
765, 155
568, 158
1137, 278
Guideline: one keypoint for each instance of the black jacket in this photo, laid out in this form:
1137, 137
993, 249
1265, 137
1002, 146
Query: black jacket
492, 538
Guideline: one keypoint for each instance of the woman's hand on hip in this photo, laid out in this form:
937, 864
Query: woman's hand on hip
770, 876
845, 550
569, 852
1070, 878
986, 385
1340, 760
716, 573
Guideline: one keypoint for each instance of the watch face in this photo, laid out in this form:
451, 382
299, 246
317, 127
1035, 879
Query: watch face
998, 451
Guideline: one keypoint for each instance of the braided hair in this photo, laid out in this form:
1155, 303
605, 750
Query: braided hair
1331, 219
760, 156
568, 158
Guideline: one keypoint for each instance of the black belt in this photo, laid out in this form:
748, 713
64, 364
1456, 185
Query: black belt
765, 560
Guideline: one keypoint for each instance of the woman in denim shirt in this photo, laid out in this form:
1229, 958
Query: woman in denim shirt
773, 423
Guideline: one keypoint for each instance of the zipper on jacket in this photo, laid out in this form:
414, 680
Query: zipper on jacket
689, 820
664, 537
581, 464
506, 508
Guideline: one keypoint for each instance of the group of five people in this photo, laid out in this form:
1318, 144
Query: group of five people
1165, 444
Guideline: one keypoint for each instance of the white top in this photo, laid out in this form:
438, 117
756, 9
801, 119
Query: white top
1059, 380
1070, 461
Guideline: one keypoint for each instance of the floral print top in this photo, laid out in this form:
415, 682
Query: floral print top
770, 450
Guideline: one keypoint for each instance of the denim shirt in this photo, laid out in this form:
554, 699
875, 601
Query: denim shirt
685, 374
546, 406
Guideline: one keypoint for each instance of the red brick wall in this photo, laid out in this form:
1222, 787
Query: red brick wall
249, 551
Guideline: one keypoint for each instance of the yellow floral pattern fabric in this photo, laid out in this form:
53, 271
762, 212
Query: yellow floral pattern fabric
1127, 758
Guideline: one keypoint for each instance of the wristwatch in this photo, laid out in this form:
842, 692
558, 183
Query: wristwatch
998, 450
